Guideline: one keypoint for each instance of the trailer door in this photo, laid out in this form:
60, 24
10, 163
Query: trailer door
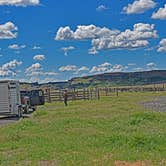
37, 98
4, 98
14, 98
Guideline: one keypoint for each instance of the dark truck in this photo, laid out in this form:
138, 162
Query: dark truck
31, 99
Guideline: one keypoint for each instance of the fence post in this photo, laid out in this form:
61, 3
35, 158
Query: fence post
88, 94
117, 92
84, 93
91, 94
59, 95
106, 93
98, 94
74, 93
49, 95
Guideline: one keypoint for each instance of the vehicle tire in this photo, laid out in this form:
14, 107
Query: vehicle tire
34, 109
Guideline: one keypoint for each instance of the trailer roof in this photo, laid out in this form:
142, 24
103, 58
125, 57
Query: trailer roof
9, 81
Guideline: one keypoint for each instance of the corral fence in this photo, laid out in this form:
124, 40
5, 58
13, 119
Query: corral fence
52, 95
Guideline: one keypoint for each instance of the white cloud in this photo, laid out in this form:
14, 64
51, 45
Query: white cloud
8, 69
64, 33
39, 57
162, 46
33, 68
102, 68
11, 65
117, 68
150, 48
129, 39
160, 14
84, 32
35, 73
8, 31
97, 69
139, 6
93, 51
40, 80
106, 64
16, 46
48, 79
41, 73
106, 68
102, 8
104, 38
36, 48
73, 68
151, 66
68, 68
112, 43
20, 2
50, 73
83, 68
67, 49
138, 69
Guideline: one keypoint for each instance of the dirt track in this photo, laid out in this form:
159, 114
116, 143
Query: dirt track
4, 120
157, 104
7, 120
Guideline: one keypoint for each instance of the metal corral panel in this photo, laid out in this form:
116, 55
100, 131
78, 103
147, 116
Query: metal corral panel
4, 98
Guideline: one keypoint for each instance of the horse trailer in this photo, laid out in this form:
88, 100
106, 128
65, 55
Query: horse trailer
10, 102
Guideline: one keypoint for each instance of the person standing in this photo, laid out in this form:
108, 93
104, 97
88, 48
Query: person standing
65, 97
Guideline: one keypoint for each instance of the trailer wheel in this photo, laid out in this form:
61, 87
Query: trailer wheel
34, 108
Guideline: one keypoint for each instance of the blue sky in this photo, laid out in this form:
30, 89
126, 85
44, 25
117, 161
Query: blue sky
46, 40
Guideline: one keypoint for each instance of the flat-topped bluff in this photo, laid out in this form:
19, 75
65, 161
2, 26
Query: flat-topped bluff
110, 79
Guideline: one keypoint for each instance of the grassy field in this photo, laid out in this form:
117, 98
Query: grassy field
104, 132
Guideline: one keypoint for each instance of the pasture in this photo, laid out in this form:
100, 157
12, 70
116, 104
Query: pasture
106, 132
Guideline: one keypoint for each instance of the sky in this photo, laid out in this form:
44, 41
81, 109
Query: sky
56, 40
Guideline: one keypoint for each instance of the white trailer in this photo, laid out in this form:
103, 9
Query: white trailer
10, 102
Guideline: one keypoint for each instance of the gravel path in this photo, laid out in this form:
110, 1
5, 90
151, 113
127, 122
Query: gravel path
158, 104
4, 120
7, 120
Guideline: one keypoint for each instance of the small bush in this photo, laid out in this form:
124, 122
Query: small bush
138, 118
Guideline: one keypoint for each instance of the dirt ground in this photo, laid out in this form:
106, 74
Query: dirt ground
7, 120
157, 104
138, 163
4, 120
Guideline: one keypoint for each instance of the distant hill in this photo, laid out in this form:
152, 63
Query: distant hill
54, 85
121, 79
111, 79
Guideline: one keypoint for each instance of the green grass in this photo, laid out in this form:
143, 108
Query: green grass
87, 133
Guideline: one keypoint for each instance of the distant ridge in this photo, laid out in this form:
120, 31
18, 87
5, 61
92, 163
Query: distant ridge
111, 79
